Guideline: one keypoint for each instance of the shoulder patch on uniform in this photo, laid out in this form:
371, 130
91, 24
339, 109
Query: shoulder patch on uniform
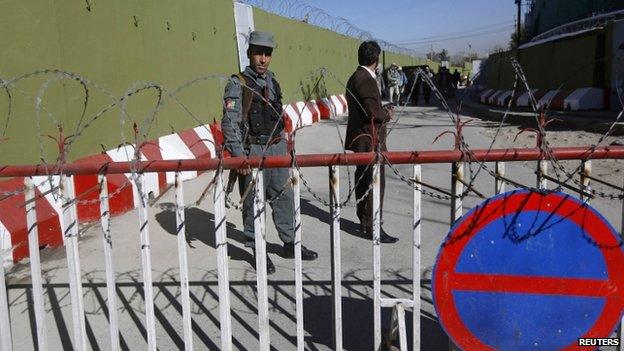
229, 103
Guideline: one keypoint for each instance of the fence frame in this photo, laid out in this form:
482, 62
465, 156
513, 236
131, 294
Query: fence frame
456, 158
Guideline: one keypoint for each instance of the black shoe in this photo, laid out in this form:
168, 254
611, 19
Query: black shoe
384, 237
306, 254
270, 267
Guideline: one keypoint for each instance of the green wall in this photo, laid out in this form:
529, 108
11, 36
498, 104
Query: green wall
302, 49
567, 64
171, 43
125, 44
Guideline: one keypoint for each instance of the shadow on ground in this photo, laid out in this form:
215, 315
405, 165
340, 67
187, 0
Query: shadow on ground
200, 226
357, 314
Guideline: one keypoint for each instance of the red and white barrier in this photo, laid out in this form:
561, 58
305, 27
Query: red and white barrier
5, 246
126, 154
327, 108
314, 109
547, 99
339, 104
198, 142
585, 99
524, 100
173, 148
492, 99
485, 95
502, 98
13, 219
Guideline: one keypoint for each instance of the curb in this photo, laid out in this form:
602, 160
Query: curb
592, 121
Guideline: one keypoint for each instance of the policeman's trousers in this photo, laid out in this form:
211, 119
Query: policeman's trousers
278, 192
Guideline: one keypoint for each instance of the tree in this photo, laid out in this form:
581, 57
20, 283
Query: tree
497, 49
513, 40
444, 55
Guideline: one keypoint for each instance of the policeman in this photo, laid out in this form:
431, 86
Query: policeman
252, 126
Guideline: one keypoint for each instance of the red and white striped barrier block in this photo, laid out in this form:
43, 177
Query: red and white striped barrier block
303, 113
585, 99
524, 100
484, 95
547, 100
87, 188
126, 154
501, 100
13, 222
326, 108
339, 103
492, 99
198, 142
5, 246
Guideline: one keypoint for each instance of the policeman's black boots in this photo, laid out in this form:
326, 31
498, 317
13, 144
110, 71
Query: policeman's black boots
270, 266
306, 254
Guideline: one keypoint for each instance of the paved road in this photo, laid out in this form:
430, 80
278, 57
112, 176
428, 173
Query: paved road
416, 128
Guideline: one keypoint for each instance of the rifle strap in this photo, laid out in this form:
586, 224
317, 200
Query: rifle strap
247, 97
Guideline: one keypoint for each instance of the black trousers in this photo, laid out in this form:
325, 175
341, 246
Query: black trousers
427, 94
365, 207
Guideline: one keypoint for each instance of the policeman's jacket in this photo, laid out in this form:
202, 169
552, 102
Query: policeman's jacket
251, 109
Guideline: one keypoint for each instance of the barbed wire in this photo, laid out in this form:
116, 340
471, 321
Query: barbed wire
304, 12
164, 97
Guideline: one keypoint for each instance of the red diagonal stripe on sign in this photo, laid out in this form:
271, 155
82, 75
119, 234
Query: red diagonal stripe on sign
531, 285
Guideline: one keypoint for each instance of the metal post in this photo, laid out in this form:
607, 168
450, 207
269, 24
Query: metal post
222, 262
107, 243
585, 173
499, 185
183, 262
402, 330
261, 260
298, 266
457, 188
416, 225
70, 230
35, 267
146, 262
6, 340
542, 169
334, 199
376, 257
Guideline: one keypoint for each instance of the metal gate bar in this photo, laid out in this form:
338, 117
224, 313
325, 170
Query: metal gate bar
70, 230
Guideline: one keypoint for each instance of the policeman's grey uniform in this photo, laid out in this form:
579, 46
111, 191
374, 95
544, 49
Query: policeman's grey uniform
248, 136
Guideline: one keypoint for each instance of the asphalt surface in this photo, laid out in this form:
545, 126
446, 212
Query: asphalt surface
416, 128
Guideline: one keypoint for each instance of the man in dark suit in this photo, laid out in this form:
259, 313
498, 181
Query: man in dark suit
366, 132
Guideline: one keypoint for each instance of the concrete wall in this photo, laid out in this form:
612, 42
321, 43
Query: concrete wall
302, 49
117, 43
548, 14
571, 63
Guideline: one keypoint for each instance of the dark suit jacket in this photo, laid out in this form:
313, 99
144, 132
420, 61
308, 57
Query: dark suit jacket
366, 116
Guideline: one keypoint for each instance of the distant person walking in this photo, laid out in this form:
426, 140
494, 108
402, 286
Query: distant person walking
394, 83
425, 85
366, 132
456, 79
380, 81
403, 84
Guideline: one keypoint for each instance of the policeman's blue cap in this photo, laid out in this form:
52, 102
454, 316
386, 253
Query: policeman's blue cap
261, 39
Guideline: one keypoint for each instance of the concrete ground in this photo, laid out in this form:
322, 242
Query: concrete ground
415, 130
